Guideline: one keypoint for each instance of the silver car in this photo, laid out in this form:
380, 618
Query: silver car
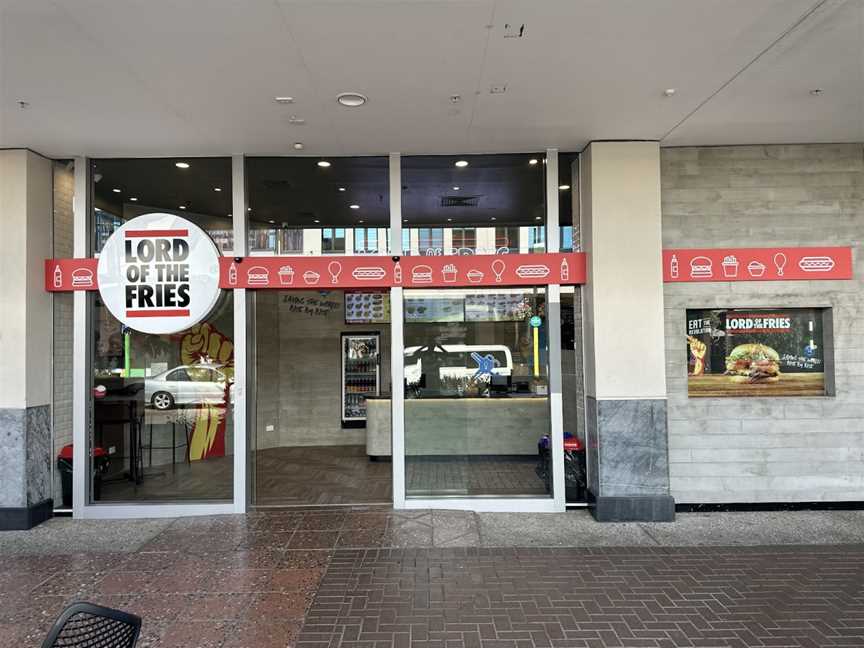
187, 385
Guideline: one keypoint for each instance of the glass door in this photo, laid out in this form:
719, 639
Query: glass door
477, 415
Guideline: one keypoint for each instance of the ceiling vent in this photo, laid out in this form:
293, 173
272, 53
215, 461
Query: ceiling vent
459, 201
277, 185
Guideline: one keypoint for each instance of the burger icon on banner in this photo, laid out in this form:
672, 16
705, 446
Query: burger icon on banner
159, 273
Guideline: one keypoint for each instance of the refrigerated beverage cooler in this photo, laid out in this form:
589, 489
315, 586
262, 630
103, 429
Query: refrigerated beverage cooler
361, 375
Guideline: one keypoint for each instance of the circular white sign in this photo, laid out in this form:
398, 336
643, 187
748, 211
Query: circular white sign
159, 274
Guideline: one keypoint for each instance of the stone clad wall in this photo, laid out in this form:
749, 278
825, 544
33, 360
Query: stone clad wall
760, 449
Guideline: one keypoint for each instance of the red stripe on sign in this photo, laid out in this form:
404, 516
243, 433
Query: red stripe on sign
181, 312
148, 233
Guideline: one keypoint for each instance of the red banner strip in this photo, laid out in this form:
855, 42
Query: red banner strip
155, 232
329, 272
757, 264
174, 312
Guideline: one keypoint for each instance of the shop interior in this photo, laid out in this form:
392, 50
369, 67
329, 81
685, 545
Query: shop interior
477, 374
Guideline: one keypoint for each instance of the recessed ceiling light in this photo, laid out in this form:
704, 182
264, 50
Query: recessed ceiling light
493, 218
271, 221
360, 221
317, 221
133, 199
533, 161
323, 164
283, 100
455, 188
217, 188
354, 206
816, 92
668, 92
341, 188
461, 163
248, 209
538, 218
296, 121
563, 187
181, 165
351, 99
298, 146
182, 206
116, 190
449, 220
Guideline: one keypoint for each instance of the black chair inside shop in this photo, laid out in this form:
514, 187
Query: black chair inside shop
85, 625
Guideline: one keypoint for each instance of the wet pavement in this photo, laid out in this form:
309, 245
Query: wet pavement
448, 579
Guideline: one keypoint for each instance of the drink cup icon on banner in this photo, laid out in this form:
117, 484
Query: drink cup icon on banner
58, 277
780, 263
673, 267
498, 267
334, 268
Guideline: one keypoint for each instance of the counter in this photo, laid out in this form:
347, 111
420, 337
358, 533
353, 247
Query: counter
510, 425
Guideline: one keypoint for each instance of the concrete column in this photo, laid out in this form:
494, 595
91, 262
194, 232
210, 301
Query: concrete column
625, 380
25, 340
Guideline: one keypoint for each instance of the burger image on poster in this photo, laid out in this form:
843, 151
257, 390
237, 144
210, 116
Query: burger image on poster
159, 273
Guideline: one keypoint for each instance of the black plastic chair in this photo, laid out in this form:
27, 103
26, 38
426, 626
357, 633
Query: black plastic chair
85, 625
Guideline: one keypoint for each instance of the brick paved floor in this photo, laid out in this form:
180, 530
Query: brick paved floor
382, 579
591, 597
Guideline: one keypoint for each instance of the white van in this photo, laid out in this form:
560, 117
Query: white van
456, 360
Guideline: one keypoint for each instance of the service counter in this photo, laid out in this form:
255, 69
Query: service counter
501, 425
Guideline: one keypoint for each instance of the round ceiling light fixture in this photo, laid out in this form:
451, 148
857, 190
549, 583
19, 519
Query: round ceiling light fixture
284, 100
354, 206
351, 99
299, 146
133, 199
323, 164
341, 188
533, 161
182, 206
317, 221
181, 165
461, 163
668, 92
563, 187
116, 190
217, 188
455, 188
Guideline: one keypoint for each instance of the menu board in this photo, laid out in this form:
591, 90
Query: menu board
755, 352
367, 307
435, 309
497, 307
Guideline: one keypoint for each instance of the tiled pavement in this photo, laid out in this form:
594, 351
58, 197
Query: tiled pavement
447, 580
591, 598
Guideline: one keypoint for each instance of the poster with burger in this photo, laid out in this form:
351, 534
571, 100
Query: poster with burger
755, 352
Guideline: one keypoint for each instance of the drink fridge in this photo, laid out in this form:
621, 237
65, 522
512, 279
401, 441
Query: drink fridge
361, 375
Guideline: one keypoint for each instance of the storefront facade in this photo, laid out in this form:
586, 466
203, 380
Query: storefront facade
689, 255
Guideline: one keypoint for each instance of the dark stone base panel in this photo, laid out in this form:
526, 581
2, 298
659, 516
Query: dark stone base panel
653, 597
21, 519
651, 508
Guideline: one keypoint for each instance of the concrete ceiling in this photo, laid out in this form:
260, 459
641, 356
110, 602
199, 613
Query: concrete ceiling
199, 77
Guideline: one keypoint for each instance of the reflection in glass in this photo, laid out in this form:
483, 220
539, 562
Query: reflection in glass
476, 392
162, 410
489, 206
299, 207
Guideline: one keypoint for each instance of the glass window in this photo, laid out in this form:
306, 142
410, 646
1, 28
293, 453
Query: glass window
302, 205
568, 200
476, 392
366, 241
471, 199
162, 422
199, 189
333, 240
536, 239
507, 238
